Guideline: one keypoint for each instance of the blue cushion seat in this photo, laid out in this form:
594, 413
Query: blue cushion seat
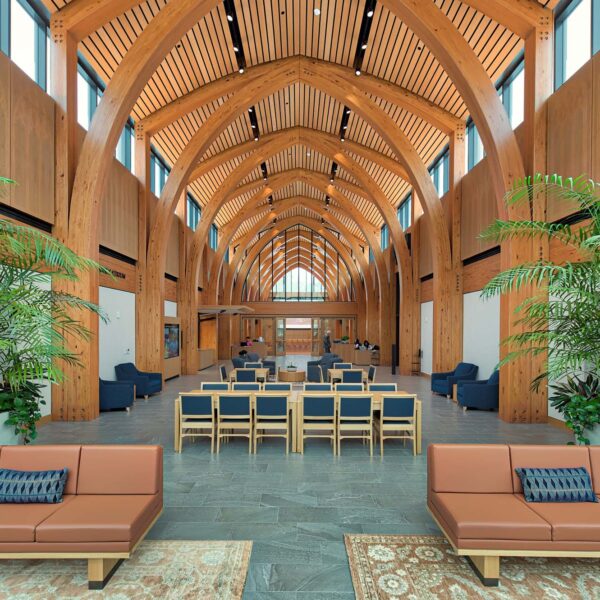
556, 485
32, 487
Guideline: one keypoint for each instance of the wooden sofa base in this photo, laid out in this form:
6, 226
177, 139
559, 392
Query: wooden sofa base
486, 562
101, 565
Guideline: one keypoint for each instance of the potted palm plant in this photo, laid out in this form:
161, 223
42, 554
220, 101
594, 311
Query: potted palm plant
561, 320
36, 320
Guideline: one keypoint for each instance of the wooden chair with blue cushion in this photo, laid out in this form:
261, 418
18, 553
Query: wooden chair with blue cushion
317, 387
371, 373
352, 376
355, 415
348, 387
342, 365
246, 386
383, 387
223, 373
277, 386
398, 419
314, 373
245, 375
217, 386
253, 365
196, 418
234, 414
318, 415
271, 417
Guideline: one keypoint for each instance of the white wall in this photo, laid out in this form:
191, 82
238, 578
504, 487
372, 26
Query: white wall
427, 337
481, 332
117, 337
170, 308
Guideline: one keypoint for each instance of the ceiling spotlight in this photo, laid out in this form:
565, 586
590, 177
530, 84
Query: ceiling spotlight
331, 180
370, 14
364, 46
308, 154
357, 72
241, 69
253, 126
317, 12
343, 139
250, 110
264, 178
236, 49
347, 111
345, 126
256, 139
230, 18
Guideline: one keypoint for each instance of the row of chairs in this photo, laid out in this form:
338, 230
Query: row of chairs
325, 415
276, 386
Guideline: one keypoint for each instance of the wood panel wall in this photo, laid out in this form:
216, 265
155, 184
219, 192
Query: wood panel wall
170, 290
26, 142
123, 274
427, 290
425, 254
477, 274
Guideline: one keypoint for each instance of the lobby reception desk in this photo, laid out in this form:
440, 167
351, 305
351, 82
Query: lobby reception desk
259, 347
356, 357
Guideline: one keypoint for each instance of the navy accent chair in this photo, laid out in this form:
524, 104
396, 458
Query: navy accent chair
349, 387
318, 418
371, 373
245, 375
441, 383
116, 394
218, 386
145, 383
196, 418
246, 386
317, 387
383, 387
352, 376
223, 373
253, 357
271, 418
325, 362
234, 418
398, 420
355, 416
483, 395
314, 373
270, 364
253, 365
277, 387
238, 362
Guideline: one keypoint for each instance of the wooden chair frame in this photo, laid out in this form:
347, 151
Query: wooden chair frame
351, 424
330, 390
374, 367
361, 371
221, 369
191, 422
336, 385
266, 422
226, 429
403, 432
327, 423
236, 383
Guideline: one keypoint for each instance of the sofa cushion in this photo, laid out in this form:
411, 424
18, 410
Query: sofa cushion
556, 485
32, 487
570, 522
490, 516
100, 518
42, 458
18, 521
120, 470
546, 457
469, 469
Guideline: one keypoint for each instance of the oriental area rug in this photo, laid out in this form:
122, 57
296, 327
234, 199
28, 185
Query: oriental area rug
424, 567
167, 570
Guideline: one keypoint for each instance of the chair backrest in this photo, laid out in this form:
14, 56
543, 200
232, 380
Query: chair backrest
371, 374
245, 375
271, 405
464, 369
383, 387
253, 365
395, 407
352, 376
277, 387
342, 365
200, 405
234, 405
253, 356
238, 362
223, 372
357, 405
494, 378
318, 405
348, 387
314, 373
246, 386
214, 385
317, 387
125, 369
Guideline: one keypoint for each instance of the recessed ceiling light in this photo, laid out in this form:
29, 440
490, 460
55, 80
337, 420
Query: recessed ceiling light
345, 126
230, 18
357, 72
331, 180
241, 69
308, 154
256, 139
370, 14
317, 12
253, 126
347, 111
249, 110
236, 49
364, 46
343, 139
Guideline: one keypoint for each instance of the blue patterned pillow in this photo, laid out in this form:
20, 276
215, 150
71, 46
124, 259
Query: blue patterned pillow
557, 485
32, 487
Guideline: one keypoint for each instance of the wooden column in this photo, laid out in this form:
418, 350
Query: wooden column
414, 247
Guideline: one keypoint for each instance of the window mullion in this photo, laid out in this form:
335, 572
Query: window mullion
5, 26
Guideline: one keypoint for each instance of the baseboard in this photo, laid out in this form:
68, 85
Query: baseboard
44, 420
558, 423
428, 375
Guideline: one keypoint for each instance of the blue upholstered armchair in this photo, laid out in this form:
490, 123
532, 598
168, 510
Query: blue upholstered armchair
116, 394
480, 394
238, 362
145, 383
269, 364
325, 362
441, 383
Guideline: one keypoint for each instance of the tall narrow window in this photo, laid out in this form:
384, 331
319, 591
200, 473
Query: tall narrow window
193, 212
512, 93
474, 146
385, 237
440, 172
27, 40
404, 212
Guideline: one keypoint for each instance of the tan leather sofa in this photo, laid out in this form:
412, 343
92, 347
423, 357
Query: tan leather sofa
476, 498
113, 496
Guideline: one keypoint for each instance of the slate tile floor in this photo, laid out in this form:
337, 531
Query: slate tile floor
295, 508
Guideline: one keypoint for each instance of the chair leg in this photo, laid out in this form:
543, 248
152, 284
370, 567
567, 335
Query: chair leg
371, 442
212, 442
180, 442
100, 570
218, 440
381, 443
487, 568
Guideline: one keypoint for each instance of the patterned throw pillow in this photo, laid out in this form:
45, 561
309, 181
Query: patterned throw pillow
32, 487
557, 485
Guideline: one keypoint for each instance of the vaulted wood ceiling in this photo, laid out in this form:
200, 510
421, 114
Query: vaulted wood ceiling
275, 29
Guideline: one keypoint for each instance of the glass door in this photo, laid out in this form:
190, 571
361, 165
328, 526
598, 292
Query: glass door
280, 337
